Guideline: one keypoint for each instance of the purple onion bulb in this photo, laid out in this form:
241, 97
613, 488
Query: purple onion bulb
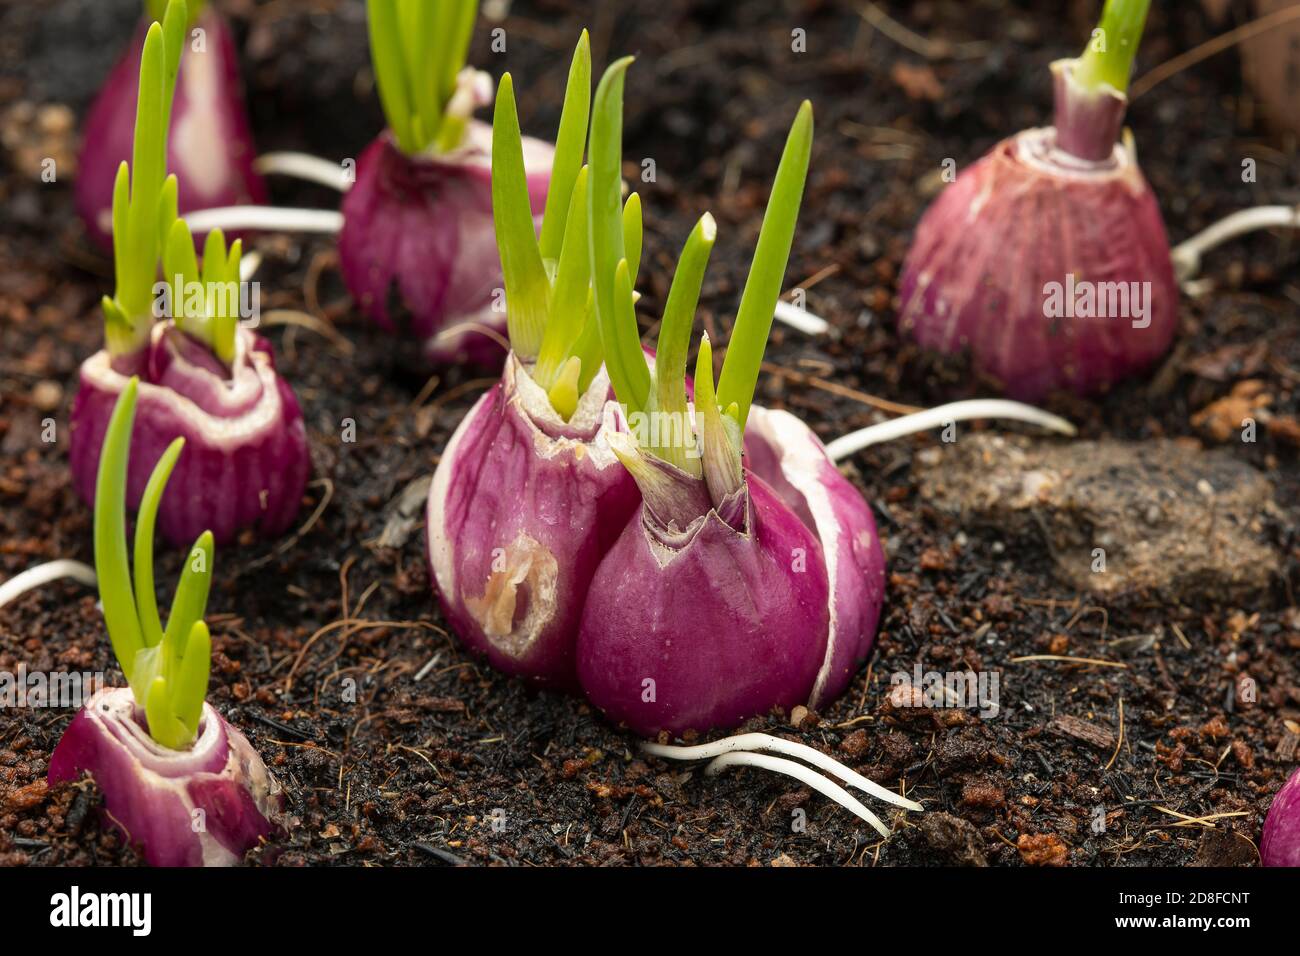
707, 626
418, 248
246, 459
205, 806
522, 508
1047, 260
1280, 845
786, 453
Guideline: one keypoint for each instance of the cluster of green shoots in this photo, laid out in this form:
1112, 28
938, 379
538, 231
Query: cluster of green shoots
146, 227
167, 669
569, 294
550, 306
721, 413
418, 48
1108, 58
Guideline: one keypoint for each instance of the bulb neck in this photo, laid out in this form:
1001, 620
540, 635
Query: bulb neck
1087, 121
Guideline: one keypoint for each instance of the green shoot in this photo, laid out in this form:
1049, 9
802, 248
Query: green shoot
569, 144
767, 271
157, 9
720, 433
205, 299
620, 338
143, 196
167, 670
567, 310
418, 49
1108, 59
677, 444
527, 286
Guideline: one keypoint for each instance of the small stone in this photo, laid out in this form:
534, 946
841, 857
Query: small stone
856, 744
46, 395
1043, 849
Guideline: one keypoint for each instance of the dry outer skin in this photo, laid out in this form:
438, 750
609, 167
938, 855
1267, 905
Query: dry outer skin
1170, 518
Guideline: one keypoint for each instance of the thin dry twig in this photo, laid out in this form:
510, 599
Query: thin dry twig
1120, 742
1209, 48
1070, 660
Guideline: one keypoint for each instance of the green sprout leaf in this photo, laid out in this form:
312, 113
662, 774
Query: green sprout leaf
632, 235
390, 71
588, 349
527, 286
567, 311
1108, 59
167, 670
620, 337
157, 9
720, 433
191, 685
191, 598
767, 271
115, 592
569, 145
145, 598
418, 49
674, 342
144, 199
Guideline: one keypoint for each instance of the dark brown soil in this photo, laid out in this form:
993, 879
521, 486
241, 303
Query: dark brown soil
412, 772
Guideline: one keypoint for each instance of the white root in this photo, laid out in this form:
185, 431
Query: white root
801, 319
1002, 408
248, 266
302, 166
790, 748
234, 218
43, 574
802, 774
1187, 254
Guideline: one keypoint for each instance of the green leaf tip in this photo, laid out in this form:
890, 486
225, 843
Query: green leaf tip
569, 144
161, 666
1108, 58
767, 270
418, 49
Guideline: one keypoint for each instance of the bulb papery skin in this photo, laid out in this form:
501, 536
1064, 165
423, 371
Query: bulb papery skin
155, 794
246, 460
210, 147
418, 233
1052, 270
521, 509
708, 627
1280, 845
786, 453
